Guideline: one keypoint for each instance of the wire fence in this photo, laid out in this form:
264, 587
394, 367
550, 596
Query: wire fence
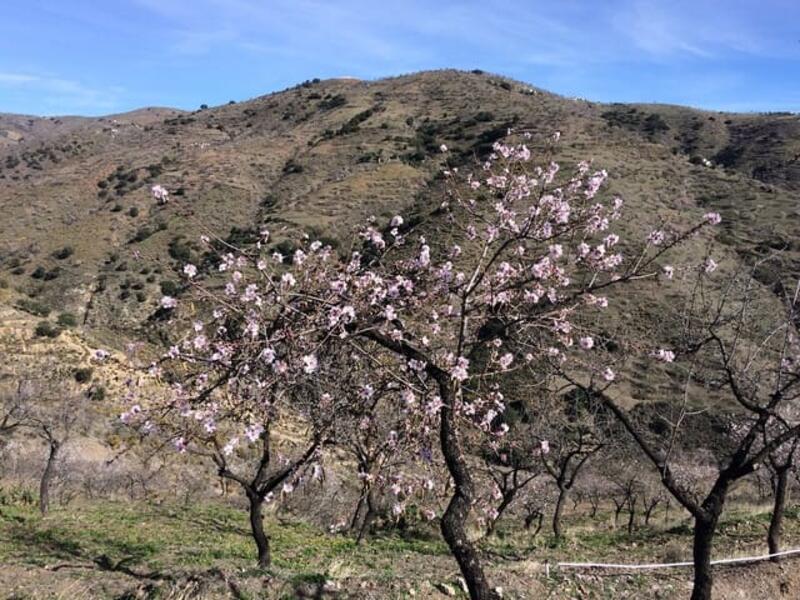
645, 566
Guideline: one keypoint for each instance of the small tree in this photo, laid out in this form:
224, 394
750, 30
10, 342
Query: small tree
733, 347
781, 463
54, 423
571, 435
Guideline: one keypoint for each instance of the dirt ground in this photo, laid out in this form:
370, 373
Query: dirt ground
761, 581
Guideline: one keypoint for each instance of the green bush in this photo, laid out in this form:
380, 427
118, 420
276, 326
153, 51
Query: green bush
47, 329
67, 320
52, 274
169, 287
133, 211
33, 307
332, 102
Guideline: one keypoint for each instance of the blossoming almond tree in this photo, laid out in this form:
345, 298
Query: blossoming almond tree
519, 256
501, 279
250, 359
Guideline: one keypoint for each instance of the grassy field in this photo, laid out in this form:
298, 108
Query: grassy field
140, 550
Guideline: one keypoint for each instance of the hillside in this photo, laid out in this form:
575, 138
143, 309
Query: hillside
86, 253
81, 234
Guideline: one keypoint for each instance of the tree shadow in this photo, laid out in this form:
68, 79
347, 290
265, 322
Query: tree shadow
53, 545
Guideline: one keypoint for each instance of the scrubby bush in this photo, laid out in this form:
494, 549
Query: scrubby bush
83, 374
47, 329
67, 320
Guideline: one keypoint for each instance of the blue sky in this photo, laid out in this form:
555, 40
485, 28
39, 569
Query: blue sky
103, 56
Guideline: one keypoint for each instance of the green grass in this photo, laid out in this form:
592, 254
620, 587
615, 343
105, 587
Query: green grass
198, 537
168, 543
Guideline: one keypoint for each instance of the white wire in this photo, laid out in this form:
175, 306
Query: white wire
722, 561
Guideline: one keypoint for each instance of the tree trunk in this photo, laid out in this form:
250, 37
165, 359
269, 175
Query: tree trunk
539, 518
369, 517
47, 477
356, 518
778, 507
562, 496
508, 498
257, 528
631, 516
454, 519
703, 537
705, 525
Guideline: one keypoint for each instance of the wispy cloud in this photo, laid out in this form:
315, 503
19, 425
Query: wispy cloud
60, 93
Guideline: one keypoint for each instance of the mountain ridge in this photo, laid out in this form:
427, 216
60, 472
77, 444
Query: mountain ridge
83, 235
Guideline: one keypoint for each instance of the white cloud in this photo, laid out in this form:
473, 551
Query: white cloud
64, 95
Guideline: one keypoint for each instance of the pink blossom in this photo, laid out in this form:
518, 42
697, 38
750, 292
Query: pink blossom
712, 218
460, 371
253, 432
506, 360
168, 302
310, 364
189, 270
663, 355
160, 193
587, 343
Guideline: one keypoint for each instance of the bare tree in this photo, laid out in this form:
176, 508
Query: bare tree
569, 438
780, 463
734, 351
15, 407
54, 421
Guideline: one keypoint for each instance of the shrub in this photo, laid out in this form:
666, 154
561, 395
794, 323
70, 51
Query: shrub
33, 307
180, 251
83, 374
97, 392
39, 272
67, 320
52, 274
169, 287
133, 211
47, 329
142, 234
333, 102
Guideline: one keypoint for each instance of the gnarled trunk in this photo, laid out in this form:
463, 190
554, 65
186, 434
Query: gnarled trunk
257, 529
705, 526
454, 519
47, 477
778, 507
369, 516
562, 496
